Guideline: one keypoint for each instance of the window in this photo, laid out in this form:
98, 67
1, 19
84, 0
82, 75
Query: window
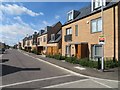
44, 39
67, 50
41, 39
98, 3
70, 15
96, 51
38, 41
96, 25
76, 30
69, 31
45, 48
53, 37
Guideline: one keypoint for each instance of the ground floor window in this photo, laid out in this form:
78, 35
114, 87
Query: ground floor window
44, 48
67, 50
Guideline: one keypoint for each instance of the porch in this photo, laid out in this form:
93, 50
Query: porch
79, 50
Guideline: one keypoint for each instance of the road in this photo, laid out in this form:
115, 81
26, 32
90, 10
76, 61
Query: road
19, 70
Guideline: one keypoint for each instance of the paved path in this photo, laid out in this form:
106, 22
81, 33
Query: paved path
20, 70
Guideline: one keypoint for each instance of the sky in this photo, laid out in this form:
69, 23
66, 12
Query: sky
21, 18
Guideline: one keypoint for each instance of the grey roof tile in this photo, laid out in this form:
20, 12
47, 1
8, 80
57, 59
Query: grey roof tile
87, 11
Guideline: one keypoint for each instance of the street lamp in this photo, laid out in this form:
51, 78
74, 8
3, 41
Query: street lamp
102, 16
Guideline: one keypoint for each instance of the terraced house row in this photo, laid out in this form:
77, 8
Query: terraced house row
80, 35
47, 41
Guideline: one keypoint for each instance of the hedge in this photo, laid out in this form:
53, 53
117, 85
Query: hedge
86, 62
56, 56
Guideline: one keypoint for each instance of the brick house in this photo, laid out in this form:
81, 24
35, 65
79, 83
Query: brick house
49, 38
54, 44
28, 43
42, 41
84, 27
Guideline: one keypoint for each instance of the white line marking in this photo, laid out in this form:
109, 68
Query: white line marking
75, 73
65, 83
1, 56
102, 84
80, 68
25, 82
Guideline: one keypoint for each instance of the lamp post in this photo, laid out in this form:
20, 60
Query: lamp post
102, 16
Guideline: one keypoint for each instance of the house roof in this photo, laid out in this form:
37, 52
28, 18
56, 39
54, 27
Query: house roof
86, 11
56, 24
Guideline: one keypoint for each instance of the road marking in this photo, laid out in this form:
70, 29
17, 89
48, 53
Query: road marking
80, 68
36, 80
101, 84
1, 56
75, 73
65, 83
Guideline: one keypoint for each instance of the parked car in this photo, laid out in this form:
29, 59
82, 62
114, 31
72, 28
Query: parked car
2, 50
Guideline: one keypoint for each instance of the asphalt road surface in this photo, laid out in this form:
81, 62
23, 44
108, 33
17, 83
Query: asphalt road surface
19, 70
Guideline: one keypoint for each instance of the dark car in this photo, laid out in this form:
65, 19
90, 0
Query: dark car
2, 50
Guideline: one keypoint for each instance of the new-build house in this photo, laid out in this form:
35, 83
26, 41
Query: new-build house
42, 41
28, 43
49, 41
54, 43
82, 32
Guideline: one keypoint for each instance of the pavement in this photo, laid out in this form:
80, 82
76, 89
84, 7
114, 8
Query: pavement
26, 70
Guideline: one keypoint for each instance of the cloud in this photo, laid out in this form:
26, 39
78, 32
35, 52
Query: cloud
57, 17
45, 22
11, 33
18, 10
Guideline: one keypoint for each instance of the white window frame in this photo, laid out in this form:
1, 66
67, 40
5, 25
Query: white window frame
93, 4
97, 27
98, 3
70, 15
67, 50
68, 31
76, 30
53, 37
44, 39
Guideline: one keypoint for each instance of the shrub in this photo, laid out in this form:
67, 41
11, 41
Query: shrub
73, 60
35, 52
88, 63
50, 56
63, 57
57, 56
111, 64
84, 62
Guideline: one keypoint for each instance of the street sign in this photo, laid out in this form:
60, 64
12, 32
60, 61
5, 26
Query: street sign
101, 40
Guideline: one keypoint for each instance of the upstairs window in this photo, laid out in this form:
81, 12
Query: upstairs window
44, 39
69, 31
97, 3
76, 30
53, 37
41, 39
96, 25
38, 41
70, 15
